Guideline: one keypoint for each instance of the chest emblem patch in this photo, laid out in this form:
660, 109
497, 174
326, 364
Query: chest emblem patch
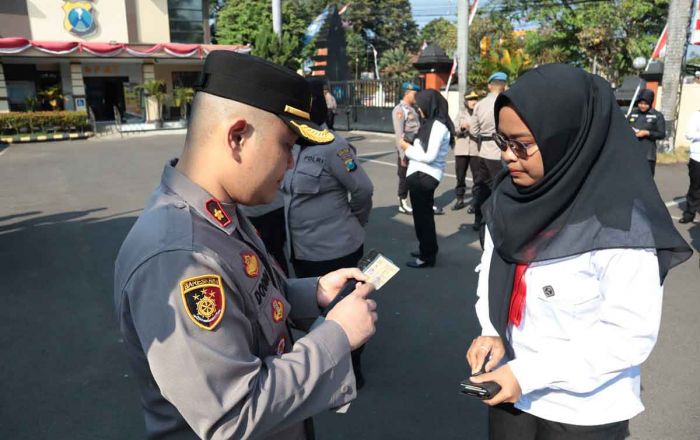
281, 345
277, 310
204, 300
548, 291
250, 264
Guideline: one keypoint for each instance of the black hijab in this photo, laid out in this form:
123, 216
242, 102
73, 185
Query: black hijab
319, 109
596, 193
434, 108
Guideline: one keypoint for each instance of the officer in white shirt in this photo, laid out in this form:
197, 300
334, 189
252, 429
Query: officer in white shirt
578, 244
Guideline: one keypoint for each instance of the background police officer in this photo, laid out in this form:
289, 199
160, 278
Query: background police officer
328, 202
466, 151
649, 126
204, 313
406, 121
483, 126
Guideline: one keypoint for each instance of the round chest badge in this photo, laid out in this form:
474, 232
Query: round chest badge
80, 17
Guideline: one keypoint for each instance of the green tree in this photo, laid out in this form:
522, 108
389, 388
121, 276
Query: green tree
396, 63
391, 21
282, 51
441, 32
611, 32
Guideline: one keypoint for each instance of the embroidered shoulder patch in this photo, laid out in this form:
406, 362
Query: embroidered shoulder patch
346, 156
204, 300
250, 264
218, 212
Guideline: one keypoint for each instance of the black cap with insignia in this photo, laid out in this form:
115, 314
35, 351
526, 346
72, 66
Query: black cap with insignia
267, 86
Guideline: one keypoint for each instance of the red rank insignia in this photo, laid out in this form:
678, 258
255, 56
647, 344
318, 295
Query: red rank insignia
277, 310
218, 212
204, 300
250, 264
281, 345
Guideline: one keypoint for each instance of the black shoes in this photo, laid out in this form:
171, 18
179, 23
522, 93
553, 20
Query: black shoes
470, 210
459, 204
687, 218
437, 210
420, 264
415, 254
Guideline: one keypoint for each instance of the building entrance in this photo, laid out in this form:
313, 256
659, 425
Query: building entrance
103, 94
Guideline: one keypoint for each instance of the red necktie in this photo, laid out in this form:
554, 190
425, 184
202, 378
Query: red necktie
517, 298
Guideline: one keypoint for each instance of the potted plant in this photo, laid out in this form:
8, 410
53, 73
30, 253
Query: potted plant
155, 92
182, 96
52, 96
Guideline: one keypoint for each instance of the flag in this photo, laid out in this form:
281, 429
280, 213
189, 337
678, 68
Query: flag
472, 10
695, 36
343, 9
660, 48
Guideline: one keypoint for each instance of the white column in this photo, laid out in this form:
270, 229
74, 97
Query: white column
4, 103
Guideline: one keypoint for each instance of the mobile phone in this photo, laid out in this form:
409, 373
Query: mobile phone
483, 391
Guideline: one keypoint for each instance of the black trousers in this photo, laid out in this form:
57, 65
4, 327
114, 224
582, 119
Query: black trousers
509, 423
461, 165
272, 231
401, 172
652, 166
487, 170
693, 197
330, 119
308, 269
422, 190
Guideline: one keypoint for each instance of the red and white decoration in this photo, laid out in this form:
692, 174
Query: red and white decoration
660, 48
12, 46
695, 36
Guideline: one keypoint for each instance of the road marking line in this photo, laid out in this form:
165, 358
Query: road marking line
675, 202
375, 153
379, 162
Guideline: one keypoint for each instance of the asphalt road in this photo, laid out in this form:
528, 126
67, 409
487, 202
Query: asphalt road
67, 206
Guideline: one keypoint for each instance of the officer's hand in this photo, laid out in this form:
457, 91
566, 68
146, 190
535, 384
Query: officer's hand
510, 388
643, 133
331, 283
356, 315
480, 348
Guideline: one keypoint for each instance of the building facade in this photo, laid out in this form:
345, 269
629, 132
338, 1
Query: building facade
98, 51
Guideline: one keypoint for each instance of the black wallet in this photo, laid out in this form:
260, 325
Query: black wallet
483, 391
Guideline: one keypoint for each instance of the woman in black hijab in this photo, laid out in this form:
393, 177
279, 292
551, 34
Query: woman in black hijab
578, 245
425, 169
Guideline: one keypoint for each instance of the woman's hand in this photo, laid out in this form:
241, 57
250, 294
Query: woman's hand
510, 388
404, 145
643, 133
480, 348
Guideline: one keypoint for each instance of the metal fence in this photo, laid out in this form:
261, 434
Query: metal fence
367, 104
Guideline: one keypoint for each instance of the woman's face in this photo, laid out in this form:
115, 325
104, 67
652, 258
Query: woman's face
524, 171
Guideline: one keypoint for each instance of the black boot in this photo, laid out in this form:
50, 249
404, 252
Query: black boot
687, 217
459, 204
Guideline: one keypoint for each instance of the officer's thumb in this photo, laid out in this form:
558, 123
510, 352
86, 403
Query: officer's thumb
363, 290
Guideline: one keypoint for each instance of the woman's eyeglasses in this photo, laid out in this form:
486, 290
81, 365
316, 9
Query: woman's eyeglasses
518, 148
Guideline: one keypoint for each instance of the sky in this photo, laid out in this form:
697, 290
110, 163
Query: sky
426, 10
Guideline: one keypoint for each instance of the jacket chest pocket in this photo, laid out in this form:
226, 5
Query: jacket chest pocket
307, 178
562, 307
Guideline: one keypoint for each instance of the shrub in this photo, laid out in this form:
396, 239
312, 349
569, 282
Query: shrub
33, 122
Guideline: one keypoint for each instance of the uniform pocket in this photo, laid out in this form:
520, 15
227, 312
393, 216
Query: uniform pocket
307, 178
272, 316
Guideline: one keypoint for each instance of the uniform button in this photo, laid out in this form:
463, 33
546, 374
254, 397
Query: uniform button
180, 205
346, 389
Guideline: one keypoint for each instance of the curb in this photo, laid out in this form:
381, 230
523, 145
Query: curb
18, 139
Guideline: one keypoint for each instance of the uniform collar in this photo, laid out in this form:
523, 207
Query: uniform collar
222, 215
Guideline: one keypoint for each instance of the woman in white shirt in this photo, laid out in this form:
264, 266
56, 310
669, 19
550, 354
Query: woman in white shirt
578, 243
692, 200
427, 156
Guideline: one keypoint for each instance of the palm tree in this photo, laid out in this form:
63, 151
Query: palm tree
183, 96
52, 96
155, 92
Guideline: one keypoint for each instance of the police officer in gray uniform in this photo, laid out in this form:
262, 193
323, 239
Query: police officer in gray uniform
328, 199
205, 314
483, 127
406, 121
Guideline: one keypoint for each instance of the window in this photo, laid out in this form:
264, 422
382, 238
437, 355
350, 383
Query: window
186, 21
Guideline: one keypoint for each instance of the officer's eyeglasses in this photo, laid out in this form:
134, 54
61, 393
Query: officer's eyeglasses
518, 148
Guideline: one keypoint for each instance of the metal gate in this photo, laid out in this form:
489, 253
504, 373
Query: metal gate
367, 104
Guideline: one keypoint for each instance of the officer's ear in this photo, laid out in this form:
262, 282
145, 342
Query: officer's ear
236, 134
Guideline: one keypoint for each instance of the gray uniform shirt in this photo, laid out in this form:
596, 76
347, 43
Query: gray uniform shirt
484, 124
464, 144
328, 199
205, 315
406, 120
